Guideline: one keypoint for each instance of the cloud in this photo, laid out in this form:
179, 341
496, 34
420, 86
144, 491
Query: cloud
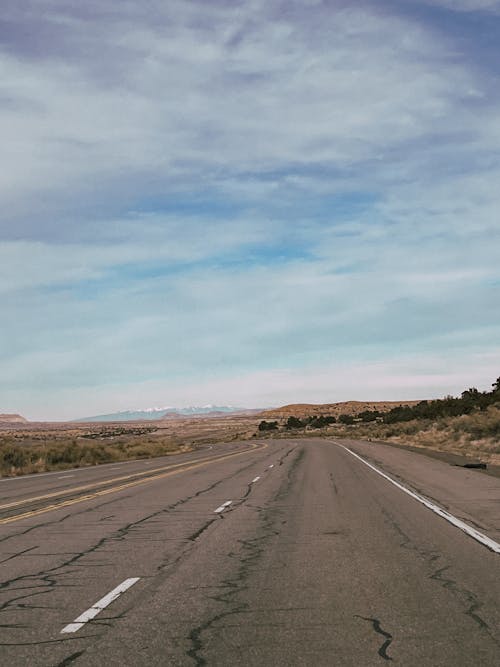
161, 242
407, 378
467, 5
198, 192
197, 103
216, 319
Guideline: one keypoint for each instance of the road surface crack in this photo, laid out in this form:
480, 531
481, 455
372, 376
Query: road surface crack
472, 603
23, 590
465, 596
282, 459
334, 486
19, 553
71, 658
248, 559
47, 579
47, 524
201, 530
379, 630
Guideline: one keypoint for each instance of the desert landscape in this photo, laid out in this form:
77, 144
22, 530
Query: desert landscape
31, 447
467, 428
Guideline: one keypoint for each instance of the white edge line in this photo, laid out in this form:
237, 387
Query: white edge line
458, 523
255, 480
223, 507
99, 606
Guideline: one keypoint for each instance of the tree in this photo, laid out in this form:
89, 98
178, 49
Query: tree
346, 419
317, 422
268, 426
470, 393
368, 415
293, 422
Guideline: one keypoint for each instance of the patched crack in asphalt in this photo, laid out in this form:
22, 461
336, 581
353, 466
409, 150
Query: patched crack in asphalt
71, 658
19, 553
429, 555
285, 489
46, 524
250, 486
48, 577
422, 492
48, 641
201, 530
281, 460
251, 552
379, 630
465, 597
334, 486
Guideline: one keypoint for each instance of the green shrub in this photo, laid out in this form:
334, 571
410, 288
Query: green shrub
13, 456
294, 422
480, 425
346, 419
268, 426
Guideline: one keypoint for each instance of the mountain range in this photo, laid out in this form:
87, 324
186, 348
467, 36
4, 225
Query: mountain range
163, 413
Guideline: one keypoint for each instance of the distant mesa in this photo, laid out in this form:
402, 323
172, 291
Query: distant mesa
12, 419
332, 409
155, 414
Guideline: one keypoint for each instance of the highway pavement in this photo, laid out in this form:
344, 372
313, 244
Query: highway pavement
273, 552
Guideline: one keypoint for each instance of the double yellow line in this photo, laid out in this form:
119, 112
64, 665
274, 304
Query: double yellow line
147, 476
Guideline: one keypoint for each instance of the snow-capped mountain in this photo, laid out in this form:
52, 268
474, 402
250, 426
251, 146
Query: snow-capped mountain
160, 413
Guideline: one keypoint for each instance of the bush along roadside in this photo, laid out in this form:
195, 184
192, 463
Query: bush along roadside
21, 459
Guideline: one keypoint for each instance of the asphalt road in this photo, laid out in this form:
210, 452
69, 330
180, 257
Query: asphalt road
266, 553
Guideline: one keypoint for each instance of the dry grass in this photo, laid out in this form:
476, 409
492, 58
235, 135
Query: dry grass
44, 447
34, 453
475, 436
35, 448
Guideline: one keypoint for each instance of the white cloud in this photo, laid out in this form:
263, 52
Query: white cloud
341, 165
192, 101
467, 5
157, 240
240, 316
412, 376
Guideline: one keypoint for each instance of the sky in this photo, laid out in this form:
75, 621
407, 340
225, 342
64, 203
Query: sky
248, 202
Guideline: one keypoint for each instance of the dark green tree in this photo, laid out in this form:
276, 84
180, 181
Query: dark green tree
293, 422
268, 426
346, 419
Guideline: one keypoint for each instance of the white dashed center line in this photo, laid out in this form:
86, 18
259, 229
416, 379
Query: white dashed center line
272, 465
223, 507
255, 480
99, 606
